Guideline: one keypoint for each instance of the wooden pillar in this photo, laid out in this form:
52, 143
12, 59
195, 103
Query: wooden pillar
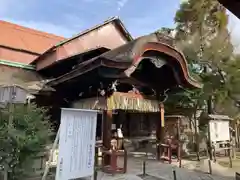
107, 133
209, 143
179, 148
162, 121
237, 135
160, 129
196, 133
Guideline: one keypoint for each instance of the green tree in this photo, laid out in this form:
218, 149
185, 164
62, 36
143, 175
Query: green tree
200, 16
23, 139
227, 100
203, 37
166, 31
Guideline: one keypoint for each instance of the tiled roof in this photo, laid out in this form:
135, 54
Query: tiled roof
18, 38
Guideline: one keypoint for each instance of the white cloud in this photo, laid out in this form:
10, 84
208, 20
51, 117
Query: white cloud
121, 4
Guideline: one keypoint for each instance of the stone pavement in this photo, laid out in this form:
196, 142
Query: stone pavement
160, 171
224, 162
202, 166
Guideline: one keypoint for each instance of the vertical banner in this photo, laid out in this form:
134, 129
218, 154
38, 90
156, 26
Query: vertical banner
76, 144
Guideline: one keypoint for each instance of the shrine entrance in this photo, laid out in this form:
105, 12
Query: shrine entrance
128, 82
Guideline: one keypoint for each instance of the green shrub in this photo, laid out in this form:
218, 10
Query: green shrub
23, 139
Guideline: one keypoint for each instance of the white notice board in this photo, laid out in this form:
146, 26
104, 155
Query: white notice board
76, 144
219, 130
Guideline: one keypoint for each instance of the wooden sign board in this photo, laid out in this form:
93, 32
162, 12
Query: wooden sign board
219, 130
76, 144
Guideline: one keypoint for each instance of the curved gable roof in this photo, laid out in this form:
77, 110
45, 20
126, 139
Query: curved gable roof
124, 60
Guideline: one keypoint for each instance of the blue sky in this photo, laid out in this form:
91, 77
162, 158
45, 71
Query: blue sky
69, 17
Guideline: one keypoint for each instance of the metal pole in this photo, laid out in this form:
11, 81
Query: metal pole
210, 166
95, 164
51, 155
144, 168
5, 175
174, 175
